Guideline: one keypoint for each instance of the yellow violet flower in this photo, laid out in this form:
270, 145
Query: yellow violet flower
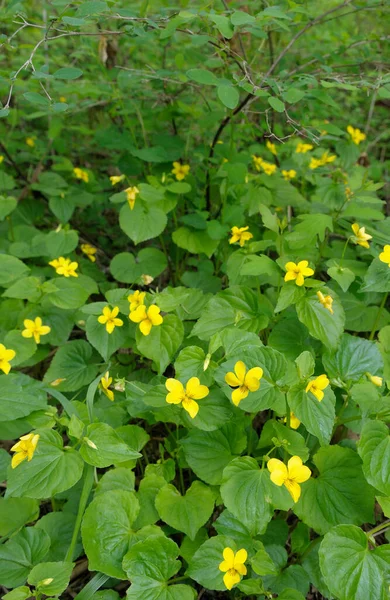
294, 421
271, 147
375, 379
326, 301
240, 234
317, 385
357, 136
303, 148
116, 179
258, 161
81, 174
109, 318
89, 251
24, 448
105, 383
361, 237
35, 329
327, 158
146, 318
5, 356
291, 174
186, 396
180, 171
315, 163
385, 255
64, 266
298, 272
291, 475
233, 566
30, 141
244, 381
268, 168
131, 195
136, 299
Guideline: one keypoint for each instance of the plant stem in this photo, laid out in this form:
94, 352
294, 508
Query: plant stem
378, 316
89, 471
378, 528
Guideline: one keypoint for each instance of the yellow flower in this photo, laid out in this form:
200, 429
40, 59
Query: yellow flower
317, 385
81, 174
193, 391
240, 234
104, 385
327, 158
291, 475
268, 168
24, 448
326, 301
131, 194
146, 318
136, 299
348, 193
30, 141
35, 329
1, 158
375, 379
291, 174
294, 421
315, 163
233, 566
303, 148
180, 171
298, 272
244, 381
62, 99
258, 161
357, 136
385, 255
5, 356
109, 318
271, 147
90, 251
64, 266
116, 179
361, 237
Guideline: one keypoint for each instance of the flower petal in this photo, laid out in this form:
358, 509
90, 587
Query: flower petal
228, 555
240, 371
191, 407
138, 315
231, 578
231, 379
145, 327
238, 395
294, 488
241, 557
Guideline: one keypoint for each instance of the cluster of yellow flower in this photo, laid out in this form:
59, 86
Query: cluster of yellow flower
261, 164
33, 328
81, 174
64, 266
321, 162
357, 136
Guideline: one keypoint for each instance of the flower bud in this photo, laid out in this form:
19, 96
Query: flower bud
375, 379
90, 443
206, 362
119, 385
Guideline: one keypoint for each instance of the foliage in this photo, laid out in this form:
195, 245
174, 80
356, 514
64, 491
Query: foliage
194, 273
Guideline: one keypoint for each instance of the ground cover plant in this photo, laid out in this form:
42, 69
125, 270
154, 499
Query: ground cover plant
194, 317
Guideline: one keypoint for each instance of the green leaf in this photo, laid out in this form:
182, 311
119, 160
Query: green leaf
196, 242
20, 395
342, 275
351, 570
143, 222
377, 278
374, 450
25, 348
11, 268
291, 440
240, 17
339, 494
16, 512
290, 293
106, 343
354, 357
52, 470
60, 243
128, 269
36, 98
107, 531
276, 104
7, 206
322, 324
248, 494
72, 363
58, 572
163, 341
228, 95
68, 294
120, 478
317, 417
149, 565
236, 306
204, 566
17, 556
59, 526
202, 76
186, 513
146, 495
208, 453
20, 593
305, 364
214, 411
223, 25
293, 95
102, 446
68, 72
91, 7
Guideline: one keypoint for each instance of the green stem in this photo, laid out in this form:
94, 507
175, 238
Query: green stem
383, 526
378, 316
89, 471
